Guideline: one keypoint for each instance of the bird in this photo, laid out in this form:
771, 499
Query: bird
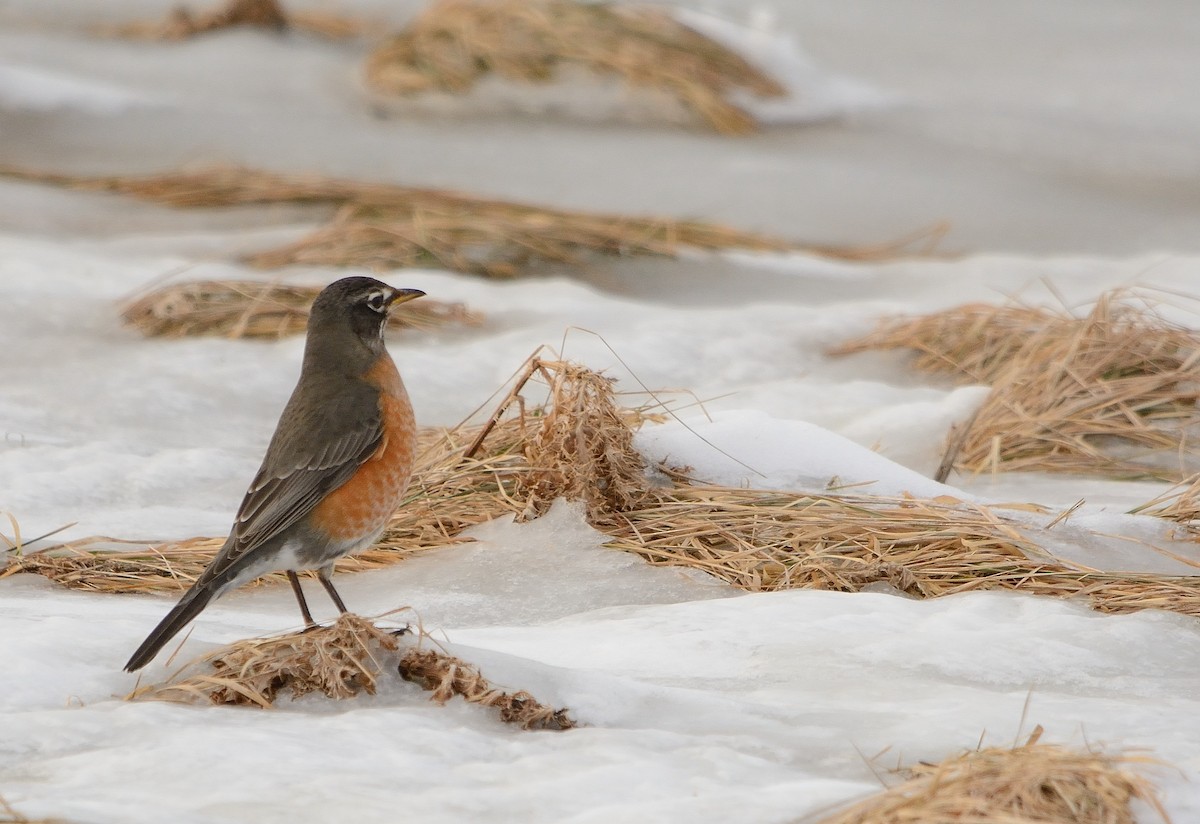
336, 468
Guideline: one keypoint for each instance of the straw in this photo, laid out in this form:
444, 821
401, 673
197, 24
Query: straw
381, 226
183, 24
454, 43
1179, 503
1026, 784
1113, 392
345, 659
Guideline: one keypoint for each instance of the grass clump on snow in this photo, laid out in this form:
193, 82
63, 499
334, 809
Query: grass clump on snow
454, 43
349, 657
381, 226
578, 445
446, 677
1030, 783
1113, 392
253, 309
762, 540
337, 661
269, 15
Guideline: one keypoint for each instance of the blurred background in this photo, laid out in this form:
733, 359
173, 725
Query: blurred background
1033, 127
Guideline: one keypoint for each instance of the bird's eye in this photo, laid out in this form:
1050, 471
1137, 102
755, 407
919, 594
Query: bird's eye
377, 301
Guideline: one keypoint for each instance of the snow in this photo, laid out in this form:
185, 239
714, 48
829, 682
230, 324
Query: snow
1056, 150
748, 448
813, 92
25, 87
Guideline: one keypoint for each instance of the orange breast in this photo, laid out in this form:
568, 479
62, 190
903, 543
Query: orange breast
363, 505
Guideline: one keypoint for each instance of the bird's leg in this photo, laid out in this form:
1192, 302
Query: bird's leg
309, 623
323, 577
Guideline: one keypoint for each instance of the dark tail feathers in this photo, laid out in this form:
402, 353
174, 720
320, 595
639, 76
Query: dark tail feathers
189, 606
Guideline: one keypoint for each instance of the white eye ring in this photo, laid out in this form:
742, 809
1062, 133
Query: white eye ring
377, 301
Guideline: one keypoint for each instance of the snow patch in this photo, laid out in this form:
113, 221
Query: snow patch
36, 89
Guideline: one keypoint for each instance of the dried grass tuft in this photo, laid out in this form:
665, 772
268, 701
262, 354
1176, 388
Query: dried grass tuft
349, 657
456, 42
582, 448
1113, 392
446, 676
337, 661
763, 540
495, 239
252, 309
183, 24
380, 226
1026, 784
973, 343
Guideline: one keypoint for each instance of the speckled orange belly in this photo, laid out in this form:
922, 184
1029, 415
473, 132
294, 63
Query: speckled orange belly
359, 508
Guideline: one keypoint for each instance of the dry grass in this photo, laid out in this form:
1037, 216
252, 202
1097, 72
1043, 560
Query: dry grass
446, 676
270, 15
381, 226
253, 309
973, 343
582, 447
768, 540
1179, 503
337, 661
578, 446
1113, 392
384, 225
456, 42
349, 657
1024, 785
498, 240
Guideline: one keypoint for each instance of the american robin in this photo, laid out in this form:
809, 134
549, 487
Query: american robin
336, 468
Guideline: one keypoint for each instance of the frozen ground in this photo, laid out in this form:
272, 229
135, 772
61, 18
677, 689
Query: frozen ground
1059, 140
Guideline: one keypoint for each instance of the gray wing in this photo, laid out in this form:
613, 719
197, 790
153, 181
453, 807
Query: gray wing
318, 445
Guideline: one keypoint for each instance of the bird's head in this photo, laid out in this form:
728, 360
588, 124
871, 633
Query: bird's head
349, 315
357, 304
